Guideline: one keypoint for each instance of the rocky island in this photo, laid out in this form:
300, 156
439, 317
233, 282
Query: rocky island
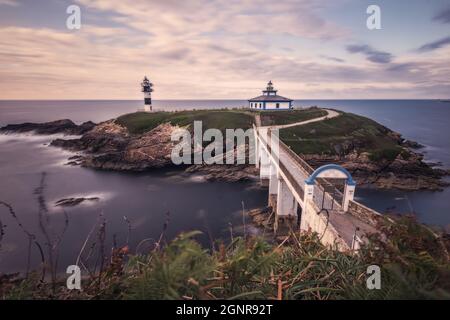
64, 126
374, 154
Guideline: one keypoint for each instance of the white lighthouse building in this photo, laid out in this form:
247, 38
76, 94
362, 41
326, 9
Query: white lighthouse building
147, 89
269, 100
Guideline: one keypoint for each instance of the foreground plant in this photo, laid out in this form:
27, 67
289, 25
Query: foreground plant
414, 264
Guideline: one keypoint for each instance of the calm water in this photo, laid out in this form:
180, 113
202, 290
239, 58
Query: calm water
147, 198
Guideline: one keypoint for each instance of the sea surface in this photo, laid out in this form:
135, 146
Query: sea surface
182, 202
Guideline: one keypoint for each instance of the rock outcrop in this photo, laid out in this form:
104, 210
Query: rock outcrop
229, 173
64, 126
109, 146
72, 202
406, 172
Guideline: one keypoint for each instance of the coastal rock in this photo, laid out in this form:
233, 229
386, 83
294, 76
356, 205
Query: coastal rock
412, 144
109, 146
103, 138
71, 202
64, 126
228, 173
154, 146
74, 160
262, 217
110, 127
405, 172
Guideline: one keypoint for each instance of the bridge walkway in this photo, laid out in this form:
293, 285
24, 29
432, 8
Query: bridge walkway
344, 223
298, 170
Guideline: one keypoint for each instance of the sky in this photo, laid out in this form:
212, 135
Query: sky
225, 49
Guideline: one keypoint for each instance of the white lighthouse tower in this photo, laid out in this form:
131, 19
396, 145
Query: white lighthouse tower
147, 89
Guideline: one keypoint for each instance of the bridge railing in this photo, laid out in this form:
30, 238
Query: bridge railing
292, 181
323, 198
303, 164
298, 188
325, 193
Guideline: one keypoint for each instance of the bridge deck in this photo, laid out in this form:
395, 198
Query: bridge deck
344, 223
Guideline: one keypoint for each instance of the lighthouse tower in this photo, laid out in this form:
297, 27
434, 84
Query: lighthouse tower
147, 89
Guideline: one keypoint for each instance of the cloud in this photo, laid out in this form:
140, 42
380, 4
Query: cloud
108, 64
224, 49
11, 3
443, 16
435, 45
402, 67
191, 18
371, 54
335, 59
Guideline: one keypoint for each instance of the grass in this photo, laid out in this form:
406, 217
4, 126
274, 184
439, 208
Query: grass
341, 135
336, 136
290, 116
141, 122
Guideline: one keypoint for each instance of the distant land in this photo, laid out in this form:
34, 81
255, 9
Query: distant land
374, 154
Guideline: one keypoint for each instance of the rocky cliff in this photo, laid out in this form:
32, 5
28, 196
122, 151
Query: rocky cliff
110, 146
64, 126
407, 171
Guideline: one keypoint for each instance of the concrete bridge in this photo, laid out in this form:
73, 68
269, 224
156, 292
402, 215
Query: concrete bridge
307, 199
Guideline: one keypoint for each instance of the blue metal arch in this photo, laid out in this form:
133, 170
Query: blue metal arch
326, 167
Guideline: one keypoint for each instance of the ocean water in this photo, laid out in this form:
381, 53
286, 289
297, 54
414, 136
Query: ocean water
149, 199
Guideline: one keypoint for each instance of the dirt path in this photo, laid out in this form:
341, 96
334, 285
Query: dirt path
331, 114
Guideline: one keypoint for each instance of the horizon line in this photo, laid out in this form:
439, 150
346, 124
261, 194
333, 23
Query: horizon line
215, 99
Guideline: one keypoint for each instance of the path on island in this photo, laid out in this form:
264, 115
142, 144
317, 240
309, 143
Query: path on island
330, 114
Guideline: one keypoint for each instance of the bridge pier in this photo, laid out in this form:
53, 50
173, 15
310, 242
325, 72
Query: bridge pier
257, 150
264, 168
273, 187
286, 213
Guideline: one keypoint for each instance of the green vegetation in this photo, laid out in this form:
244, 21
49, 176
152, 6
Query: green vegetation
141, 122
289, 116
385, 154
341, 135
336, 136
414, 264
